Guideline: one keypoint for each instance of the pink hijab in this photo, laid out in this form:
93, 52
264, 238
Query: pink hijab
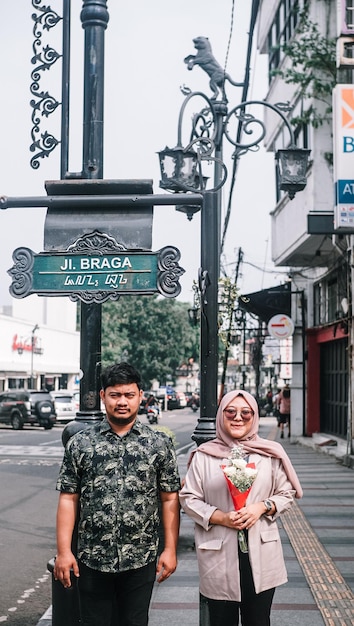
220, 447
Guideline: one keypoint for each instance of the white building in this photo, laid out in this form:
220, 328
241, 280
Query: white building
39, 341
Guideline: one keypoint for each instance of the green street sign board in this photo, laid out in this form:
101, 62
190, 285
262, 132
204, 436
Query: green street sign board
110, 272
95, 269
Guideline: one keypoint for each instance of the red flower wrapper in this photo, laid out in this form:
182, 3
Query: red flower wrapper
238, 497
239, 500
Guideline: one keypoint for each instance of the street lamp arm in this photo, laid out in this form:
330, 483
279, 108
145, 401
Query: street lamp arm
247, 119
197, 117
224, 168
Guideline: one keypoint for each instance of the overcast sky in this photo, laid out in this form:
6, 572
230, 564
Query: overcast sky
146, 43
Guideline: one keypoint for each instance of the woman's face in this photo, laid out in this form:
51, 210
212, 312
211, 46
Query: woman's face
238, 418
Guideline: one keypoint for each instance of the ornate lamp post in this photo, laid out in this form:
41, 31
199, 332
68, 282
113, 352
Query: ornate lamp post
182, 171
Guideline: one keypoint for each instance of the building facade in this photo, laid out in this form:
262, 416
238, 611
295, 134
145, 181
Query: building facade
305, 237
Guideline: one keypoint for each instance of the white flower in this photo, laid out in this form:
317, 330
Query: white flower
251, 472
236, 470
230, 470
239, 463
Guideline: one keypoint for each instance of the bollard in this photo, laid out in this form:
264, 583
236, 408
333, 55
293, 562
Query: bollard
65, 602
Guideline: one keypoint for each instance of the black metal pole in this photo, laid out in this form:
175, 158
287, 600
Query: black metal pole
208, 283
209, 280
65, 91
94, 17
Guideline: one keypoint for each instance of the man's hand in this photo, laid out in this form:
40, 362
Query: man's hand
63, 564
166, 565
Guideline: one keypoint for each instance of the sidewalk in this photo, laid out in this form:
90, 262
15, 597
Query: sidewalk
318, 542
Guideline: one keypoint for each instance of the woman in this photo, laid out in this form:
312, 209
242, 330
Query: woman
233, 582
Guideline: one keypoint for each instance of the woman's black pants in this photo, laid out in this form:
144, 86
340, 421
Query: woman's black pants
254, 608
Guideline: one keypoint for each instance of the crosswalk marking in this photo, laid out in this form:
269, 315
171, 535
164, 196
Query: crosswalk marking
40, 451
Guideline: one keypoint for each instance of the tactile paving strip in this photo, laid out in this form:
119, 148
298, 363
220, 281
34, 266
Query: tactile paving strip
332, 595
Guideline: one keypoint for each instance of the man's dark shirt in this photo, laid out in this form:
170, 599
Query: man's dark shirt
119, 480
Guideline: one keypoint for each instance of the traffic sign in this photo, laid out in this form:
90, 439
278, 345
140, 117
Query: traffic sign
280, 326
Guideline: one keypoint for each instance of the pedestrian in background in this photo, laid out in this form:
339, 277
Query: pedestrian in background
284, 405
234, 581
115, 477
269, 401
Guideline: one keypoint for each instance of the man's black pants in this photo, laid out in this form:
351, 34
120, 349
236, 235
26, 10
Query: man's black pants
120, 599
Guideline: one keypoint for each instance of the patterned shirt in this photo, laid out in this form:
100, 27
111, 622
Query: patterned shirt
119, 480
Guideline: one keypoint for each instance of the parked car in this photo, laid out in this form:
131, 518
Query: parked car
65, 407
20, 406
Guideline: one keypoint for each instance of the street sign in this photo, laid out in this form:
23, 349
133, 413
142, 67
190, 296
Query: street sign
95, 269
280, 326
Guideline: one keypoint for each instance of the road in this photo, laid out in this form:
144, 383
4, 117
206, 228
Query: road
29, 465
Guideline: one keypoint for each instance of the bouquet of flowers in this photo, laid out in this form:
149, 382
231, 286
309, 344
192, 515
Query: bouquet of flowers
240, 477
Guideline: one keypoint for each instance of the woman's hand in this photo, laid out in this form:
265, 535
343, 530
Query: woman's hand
243, 519
229, 519
248, 515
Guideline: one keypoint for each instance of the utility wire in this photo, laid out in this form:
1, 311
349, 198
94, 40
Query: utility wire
254, 12
232, 288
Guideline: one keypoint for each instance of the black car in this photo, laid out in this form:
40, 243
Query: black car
19, 407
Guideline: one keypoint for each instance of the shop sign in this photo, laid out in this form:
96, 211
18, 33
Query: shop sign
343, 151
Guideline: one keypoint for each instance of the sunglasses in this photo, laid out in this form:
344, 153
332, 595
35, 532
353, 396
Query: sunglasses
245, 414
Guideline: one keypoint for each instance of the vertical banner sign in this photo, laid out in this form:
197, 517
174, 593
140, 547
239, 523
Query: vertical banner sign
343, 156
286, 354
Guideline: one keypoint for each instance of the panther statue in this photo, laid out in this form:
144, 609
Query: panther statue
209, 64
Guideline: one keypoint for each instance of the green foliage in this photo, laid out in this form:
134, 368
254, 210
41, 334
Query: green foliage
313, 69
152, 334
228, 295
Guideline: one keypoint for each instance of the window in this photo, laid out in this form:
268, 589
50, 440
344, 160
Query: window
328, 295
346, 16
282, 30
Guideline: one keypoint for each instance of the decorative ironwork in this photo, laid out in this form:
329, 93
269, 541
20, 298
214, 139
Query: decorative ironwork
94, 297
203, 135
96, 243
21, 272
169, 272
208, 127
205, 59
43, 104
250, 123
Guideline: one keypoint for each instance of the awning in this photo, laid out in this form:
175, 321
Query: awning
268, 302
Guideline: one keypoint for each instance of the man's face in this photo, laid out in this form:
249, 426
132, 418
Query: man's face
122, 404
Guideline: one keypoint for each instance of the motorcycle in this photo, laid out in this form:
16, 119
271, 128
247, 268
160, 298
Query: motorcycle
153, 414
194, 402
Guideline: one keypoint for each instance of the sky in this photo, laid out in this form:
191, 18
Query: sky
145, 44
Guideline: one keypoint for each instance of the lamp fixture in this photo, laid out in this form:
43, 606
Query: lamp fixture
292, 162
178, 168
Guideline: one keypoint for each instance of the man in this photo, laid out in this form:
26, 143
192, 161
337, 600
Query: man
116, 476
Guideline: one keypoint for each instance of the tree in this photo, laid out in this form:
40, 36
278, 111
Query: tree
151, 333
312, 68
